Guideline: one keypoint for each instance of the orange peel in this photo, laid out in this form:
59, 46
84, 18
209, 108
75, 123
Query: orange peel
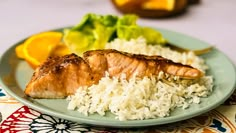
37, 48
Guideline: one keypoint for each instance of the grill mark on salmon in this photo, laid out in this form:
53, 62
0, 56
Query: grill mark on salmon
59, 77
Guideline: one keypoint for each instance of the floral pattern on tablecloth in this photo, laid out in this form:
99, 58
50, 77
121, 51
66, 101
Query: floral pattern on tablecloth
29, 120
1, 93
231, 100
25, 119
0, 117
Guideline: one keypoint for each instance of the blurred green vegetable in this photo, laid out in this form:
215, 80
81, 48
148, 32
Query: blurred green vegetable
127, 28
94, 31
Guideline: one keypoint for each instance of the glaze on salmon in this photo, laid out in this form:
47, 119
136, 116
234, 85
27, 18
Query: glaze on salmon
59, 77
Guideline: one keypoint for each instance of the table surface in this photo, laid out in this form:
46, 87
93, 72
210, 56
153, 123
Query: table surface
212, 21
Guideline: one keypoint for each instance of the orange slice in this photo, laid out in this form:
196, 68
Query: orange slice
37, 48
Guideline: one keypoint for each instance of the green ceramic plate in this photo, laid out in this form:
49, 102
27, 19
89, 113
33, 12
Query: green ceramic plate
15, 74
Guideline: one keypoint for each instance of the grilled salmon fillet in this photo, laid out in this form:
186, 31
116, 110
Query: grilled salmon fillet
59, 77
116, 63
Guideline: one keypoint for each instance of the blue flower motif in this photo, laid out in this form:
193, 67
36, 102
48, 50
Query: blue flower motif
1, 93
218, 125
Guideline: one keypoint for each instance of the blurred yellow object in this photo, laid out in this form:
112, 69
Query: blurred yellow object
121, 2
159, 4
60, 50
37, 48
151, 8
19, 51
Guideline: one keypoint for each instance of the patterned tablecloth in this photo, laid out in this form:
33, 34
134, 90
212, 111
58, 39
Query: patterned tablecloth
15, 117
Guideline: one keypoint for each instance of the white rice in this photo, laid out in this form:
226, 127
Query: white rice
146, 98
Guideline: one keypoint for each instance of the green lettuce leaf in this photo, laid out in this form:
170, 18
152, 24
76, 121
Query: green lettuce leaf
127, 28
94, 31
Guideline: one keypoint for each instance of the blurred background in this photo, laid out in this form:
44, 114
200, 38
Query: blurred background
212, 21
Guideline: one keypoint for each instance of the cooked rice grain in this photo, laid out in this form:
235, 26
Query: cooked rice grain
146, 98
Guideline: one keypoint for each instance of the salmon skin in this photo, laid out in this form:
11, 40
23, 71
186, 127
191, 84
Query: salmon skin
59, 77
